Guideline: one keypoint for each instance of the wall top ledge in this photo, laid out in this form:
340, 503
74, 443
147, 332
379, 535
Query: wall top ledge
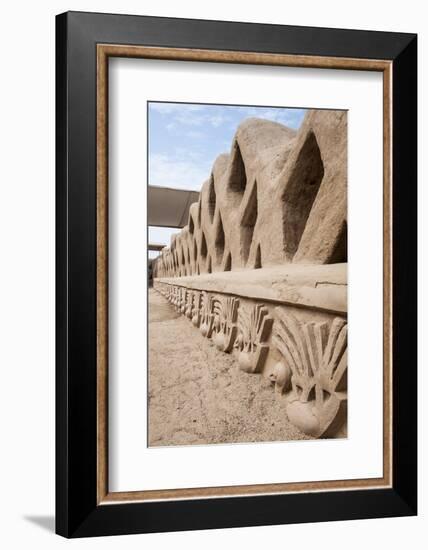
322, 287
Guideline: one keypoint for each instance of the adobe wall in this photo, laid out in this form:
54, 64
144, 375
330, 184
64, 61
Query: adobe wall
261, 265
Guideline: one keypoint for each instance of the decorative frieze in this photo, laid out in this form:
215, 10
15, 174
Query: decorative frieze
196, 308
313, 370
225, 326
254, 331
260, 268
305, 360
207, 315
277, 198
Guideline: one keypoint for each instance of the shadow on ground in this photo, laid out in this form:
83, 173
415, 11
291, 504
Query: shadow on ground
45, 522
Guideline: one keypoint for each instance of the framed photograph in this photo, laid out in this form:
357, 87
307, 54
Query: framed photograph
236, 274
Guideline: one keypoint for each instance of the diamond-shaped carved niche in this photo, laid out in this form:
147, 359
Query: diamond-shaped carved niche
248, 222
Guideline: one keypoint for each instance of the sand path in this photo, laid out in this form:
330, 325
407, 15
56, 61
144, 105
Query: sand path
198, 395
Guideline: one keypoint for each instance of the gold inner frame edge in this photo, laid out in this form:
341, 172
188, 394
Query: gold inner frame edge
104, 52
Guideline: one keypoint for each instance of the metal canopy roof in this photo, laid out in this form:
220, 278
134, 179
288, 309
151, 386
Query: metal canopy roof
156, 247
169, 207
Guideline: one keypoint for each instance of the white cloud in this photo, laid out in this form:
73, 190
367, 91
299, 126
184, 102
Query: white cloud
217, 120
179, 172
189, 131
169, 108
194, 134
161, 235
188, 115
287, 116
189, 119
181, 153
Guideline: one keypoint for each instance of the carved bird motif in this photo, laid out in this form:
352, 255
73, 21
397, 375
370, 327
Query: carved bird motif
254, 326
316, 355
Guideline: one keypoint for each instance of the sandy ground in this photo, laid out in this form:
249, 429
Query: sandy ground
198, 395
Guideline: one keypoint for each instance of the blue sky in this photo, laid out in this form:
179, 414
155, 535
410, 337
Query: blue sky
185, 139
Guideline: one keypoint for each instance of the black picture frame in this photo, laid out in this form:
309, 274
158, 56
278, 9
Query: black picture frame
77, 512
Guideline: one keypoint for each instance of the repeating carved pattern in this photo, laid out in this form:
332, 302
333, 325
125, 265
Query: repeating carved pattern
196, 308
176, 297
279, 197
171, 295
254, 330
250, 197
207, 315
315, 364
225, 326
182, 299
281, 377
312, 371
189, 304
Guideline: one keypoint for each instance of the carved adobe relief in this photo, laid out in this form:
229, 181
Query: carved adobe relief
183, 299
278, 198
314, 368
254, 327
268, 205
281, 377
225, 323
175, 297
189, 304
196, 308
207, 316
170, 295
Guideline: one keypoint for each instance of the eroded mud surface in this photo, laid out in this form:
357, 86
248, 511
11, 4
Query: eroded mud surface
198, 395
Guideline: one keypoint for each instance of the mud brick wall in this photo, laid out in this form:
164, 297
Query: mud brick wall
261, 269
278, 197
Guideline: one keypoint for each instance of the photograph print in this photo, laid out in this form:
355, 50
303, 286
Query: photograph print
247, 274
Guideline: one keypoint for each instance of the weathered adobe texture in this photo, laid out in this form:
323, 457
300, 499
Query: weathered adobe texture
273, 214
